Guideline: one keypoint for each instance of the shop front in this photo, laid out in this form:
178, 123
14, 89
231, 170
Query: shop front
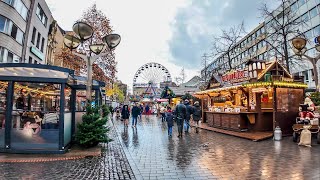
35, 108
259, 98
38, 104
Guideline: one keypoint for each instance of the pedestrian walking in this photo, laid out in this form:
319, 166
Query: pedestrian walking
162, 113
169, 119
141, 111
147, 109
197, 113
125, 114
180, 113
135, 111
189, 112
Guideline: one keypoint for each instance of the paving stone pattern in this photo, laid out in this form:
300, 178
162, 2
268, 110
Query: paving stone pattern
112, 165
209, 155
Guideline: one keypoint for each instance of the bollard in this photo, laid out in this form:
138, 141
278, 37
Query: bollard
277, 135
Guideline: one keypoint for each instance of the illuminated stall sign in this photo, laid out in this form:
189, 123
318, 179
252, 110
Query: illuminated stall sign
235, 76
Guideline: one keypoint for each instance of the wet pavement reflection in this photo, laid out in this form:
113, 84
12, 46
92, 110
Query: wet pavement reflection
210, 155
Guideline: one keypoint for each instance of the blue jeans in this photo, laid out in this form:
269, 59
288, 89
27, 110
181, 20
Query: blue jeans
170, 130
186, 125
134, 120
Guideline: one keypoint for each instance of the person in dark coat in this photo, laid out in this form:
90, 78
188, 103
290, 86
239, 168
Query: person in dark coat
197, 113
147, 108
189, 112
125, 114
169, 119
141, 111
180, 113
135, 113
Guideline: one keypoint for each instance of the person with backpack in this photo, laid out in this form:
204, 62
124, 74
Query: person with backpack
189, 112
169, 119
180, 113
197, 113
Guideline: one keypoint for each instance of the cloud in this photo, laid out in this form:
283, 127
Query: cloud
195, 24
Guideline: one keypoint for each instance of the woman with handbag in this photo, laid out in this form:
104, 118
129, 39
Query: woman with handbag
125, 114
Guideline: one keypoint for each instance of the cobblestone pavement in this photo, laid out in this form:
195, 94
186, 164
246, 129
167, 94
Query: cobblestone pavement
209, 155
112, 165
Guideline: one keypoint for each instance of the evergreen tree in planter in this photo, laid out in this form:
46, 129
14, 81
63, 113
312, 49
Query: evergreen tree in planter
92, 130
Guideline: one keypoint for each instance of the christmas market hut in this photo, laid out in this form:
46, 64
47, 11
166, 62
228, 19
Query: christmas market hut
259, 98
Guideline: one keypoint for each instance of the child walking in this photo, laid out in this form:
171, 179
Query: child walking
169, 119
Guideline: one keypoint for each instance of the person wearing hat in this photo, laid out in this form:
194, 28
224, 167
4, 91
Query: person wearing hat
189, 112
197, 113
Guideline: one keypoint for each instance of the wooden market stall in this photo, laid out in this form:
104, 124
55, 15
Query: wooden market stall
259, 98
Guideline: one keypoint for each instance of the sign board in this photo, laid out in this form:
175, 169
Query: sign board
214, 85
236, 76
37, 53
257, 90
286, 79
316, 40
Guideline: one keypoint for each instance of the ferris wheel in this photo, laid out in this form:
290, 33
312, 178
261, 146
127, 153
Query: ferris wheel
151, 73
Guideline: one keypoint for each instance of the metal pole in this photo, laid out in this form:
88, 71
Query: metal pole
89, 79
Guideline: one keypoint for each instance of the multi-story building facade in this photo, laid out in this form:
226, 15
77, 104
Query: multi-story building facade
13, 27
254, 44
24, 26
55, 44
37, 38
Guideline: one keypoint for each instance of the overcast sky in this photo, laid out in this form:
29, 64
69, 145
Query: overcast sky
174, 33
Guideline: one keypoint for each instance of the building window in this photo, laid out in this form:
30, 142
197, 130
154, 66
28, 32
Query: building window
6, 26
1, 54
35, 62
41, 15
2, 23
316, 30
33, 35
305, 17
301, 2
313, 12
38, 40
42, 44
30, 60
294, 7
19, 7
7, 56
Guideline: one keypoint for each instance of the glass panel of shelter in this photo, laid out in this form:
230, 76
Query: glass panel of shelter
35, 115
81, 100
3, 94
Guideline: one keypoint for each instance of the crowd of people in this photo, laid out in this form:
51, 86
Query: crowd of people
182, 114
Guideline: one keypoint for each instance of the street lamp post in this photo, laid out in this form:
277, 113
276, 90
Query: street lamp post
83, 33
299, 44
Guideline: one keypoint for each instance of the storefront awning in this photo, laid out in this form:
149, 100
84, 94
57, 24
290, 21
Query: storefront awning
33, 72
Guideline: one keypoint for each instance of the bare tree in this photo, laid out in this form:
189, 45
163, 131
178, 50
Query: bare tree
101, 27
224, 43
282, 24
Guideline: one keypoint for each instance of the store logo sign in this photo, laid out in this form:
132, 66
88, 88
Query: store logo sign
235, 76
37, 53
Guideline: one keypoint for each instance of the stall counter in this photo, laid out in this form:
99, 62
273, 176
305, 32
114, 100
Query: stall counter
237, 121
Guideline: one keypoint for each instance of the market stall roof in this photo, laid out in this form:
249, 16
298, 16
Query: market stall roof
276, 66
34, 72
206, 92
